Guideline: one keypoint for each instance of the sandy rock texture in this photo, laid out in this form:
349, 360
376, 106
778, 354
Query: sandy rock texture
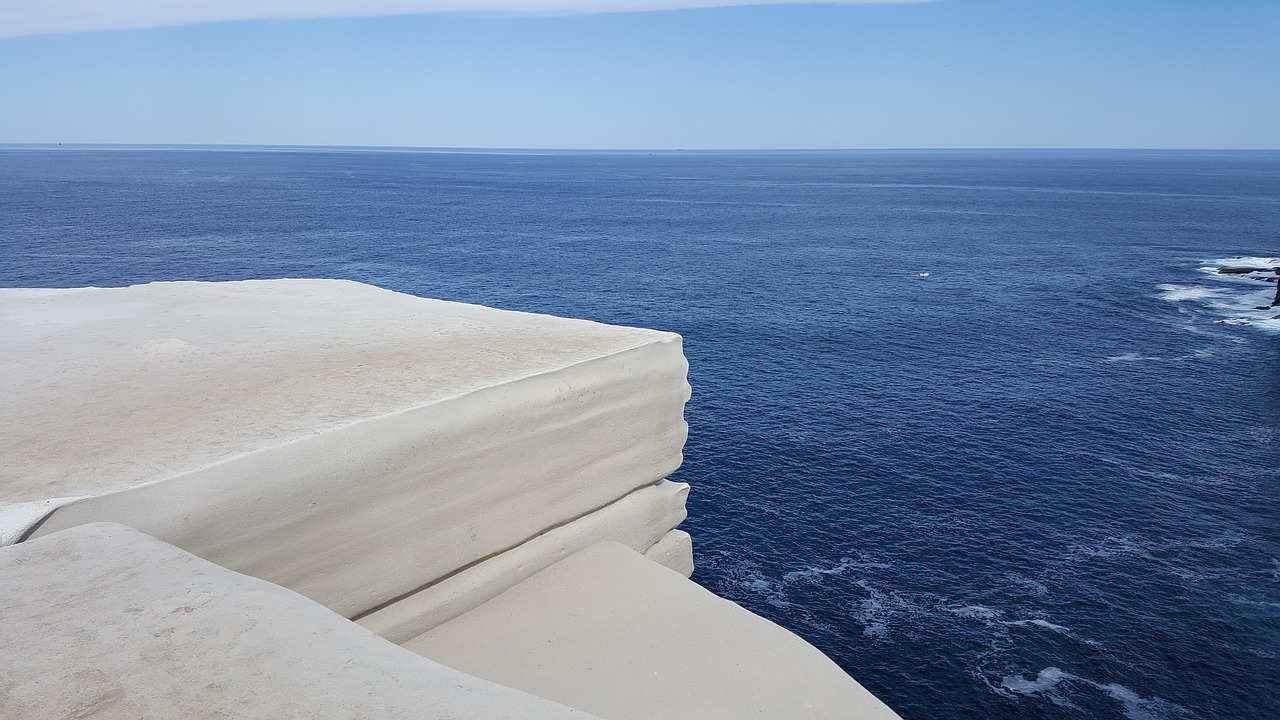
485, 488
610, 632
105, 622
350, 443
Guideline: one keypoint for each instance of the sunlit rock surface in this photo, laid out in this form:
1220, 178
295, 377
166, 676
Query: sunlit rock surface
641, 519
484, 487
102, 621
350, 443
615, 634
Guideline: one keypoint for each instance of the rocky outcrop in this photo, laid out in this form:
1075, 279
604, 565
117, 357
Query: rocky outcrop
350, 443
1257, 273
405, 463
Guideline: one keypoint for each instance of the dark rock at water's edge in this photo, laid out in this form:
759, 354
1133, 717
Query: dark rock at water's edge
1228, 270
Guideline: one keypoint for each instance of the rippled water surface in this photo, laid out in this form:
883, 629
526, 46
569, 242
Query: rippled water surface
988, 428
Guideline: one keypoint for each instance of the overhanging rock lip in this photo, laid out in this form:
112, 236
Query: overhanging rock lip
600, 341
301, 514
20, 506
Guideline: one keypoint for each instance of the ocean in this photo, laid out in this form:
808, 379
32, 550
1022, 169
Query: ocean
988, 428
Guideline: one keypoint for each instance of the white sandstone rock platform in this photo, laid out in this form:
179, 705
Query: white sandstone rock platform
102, 621
351, 443
486, 488
617, 635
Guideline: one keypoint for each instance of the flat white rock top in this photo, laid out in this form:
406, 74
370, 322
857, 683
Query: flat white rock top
102, 389
103, 621
615, 634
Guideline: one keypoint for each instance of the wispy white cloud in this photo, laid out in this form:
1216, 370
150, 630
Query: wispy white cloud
36, 17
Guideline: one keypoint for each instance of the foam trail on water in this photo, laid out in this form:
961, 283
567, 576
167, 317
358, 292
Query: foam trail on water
1178, 293
1052, 683
1136, 707
976, 612
1039, 623
813, 573
1046, 680
880, 611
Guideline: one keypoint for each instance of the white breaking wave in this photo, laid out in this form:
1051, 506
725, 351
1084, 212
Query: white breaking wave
1245, 261
1242, 299
1271, 324
1178, 293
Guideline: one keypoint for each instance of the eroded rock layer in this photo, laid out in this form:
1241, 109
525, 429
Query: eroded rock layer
350, 443
612, 633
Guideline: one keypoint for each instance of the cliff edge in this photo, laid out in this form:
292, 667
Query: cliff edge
412, 465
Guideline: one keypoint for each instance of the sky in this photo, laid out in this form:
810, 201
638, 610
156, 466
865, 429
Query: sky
643, 74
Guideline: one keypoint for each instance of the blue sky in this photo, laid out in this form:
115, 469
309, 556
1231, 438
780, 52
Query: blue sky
950, 73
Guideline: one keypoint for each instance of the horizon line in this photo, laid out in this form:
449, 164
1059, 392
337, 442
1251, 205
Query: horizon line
514, 149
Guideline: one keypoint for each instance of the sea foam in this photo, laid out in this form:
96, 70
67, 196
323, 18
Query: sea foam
1178, 293
1046, 680
1242, 299
1053, 684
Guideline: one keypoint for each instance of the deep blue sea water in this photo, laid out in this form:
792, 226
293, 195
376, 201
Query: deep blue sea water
1039, 482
